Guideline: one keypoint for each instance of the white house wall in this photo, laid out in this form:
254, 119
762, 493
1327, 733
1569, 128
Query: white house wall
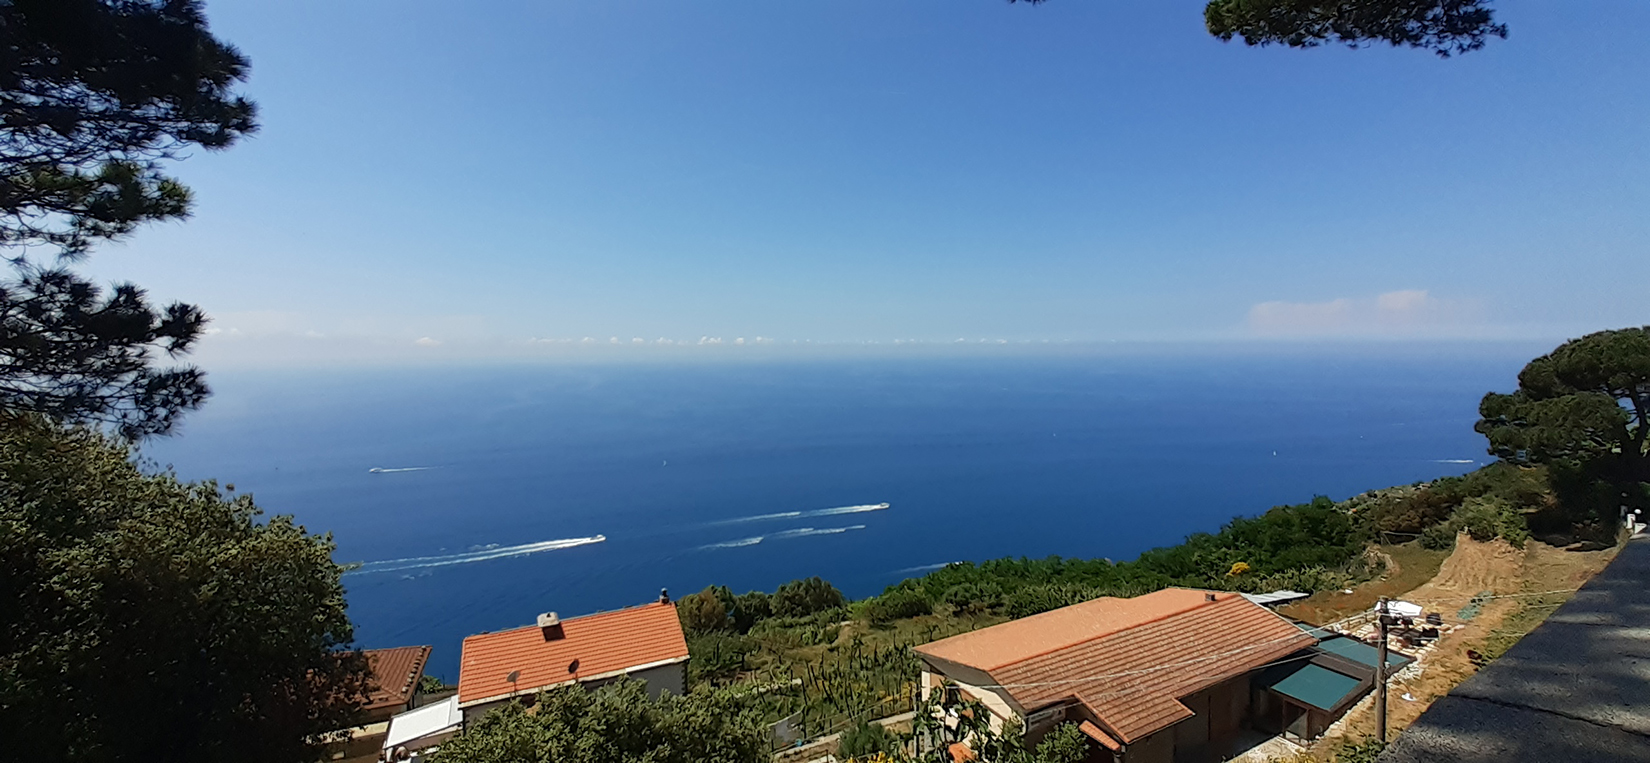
658, 680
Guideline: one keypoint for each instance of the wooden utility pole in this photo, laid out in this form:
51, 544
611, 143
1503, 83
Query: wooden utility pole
1380, 669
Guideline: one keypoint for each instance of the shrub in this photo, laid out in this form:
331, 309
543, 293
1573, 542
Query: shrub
1305, 579
974, 596
780, 633
1482, 518
1066, 743
814, 635
750, 609
702, 612
895, 604
1032, 600
1440, 502
866, 739
800, 598
1438, 538
717, 655
1365, 751
617, 722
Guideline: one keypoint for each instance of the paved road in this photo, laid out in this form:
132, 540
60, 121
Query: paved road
1576, 690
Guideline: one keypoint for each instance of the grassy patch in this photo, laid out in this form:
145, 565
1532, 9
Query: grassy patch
1531, 612
1409, 567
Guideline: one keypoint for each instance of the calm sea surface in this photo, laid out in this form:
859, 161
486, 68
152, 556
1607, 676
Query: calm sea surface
505, 492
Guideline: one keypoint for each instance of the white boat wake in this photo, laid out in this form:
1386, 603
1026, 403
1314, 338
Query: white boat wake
1454, 461
801, 532
807, 514
382, 470
477, 555
921, 568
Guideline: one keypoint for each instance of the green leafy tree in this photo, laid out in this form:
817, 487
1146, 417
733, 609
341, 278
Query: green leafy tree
1584, 410
800, 598
95, 97
152, 619
702, 612
614, 724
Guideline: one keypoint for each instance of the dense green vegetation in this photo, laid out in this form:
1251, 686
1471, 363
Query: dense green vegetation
1306, 546
1583, 412
865, 739
617, 723
153, 619
1062, 744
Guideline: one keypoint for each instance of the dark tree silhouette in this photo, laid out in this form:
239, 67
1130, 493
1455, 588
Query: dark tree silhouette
74, 353
1445, 27
95, 97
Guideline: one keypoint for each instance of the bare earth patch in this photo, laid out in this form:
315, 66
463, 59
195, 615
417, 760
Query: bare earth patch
1522, 578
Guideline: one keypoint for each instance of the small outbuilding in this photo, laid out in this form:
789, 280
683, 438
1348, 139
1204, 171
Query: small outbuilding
416, 731
1168, 677
1302, 697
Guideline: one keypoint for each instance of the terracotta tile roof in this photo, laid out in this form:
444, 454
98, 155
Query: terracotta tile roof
603, 644
1010, 642
1093, 732
1128, 660
395, 674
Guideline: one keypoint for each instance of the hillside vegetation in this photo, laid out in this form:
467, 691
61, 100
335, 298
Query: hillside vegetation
806, 652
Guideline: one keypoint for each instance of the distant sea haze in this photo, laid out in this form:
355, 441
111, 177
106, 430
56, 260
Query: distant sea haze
472, 500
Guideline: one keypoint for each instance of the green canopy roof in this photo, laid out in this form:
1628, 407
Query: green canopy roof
1317, 686
1361, 653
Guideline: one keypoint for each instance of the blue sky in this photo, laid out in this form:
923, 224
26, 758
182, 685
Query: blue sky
462, 181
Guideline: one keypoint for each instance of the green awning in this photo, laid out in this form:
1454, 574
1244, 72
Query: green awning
1317, 686
1361, 653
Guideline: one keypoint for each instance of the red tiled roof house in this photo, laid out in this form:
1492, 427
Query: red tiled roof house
395, 676
1163, 678
644, 643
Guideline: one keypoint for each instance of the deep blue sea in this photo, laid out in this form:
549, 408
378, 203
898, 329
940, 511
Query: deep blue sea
510, 491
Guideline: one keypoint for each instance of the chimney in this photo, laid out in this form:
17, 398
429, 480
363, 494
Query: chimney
1209, 596
550, 624
664, 596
